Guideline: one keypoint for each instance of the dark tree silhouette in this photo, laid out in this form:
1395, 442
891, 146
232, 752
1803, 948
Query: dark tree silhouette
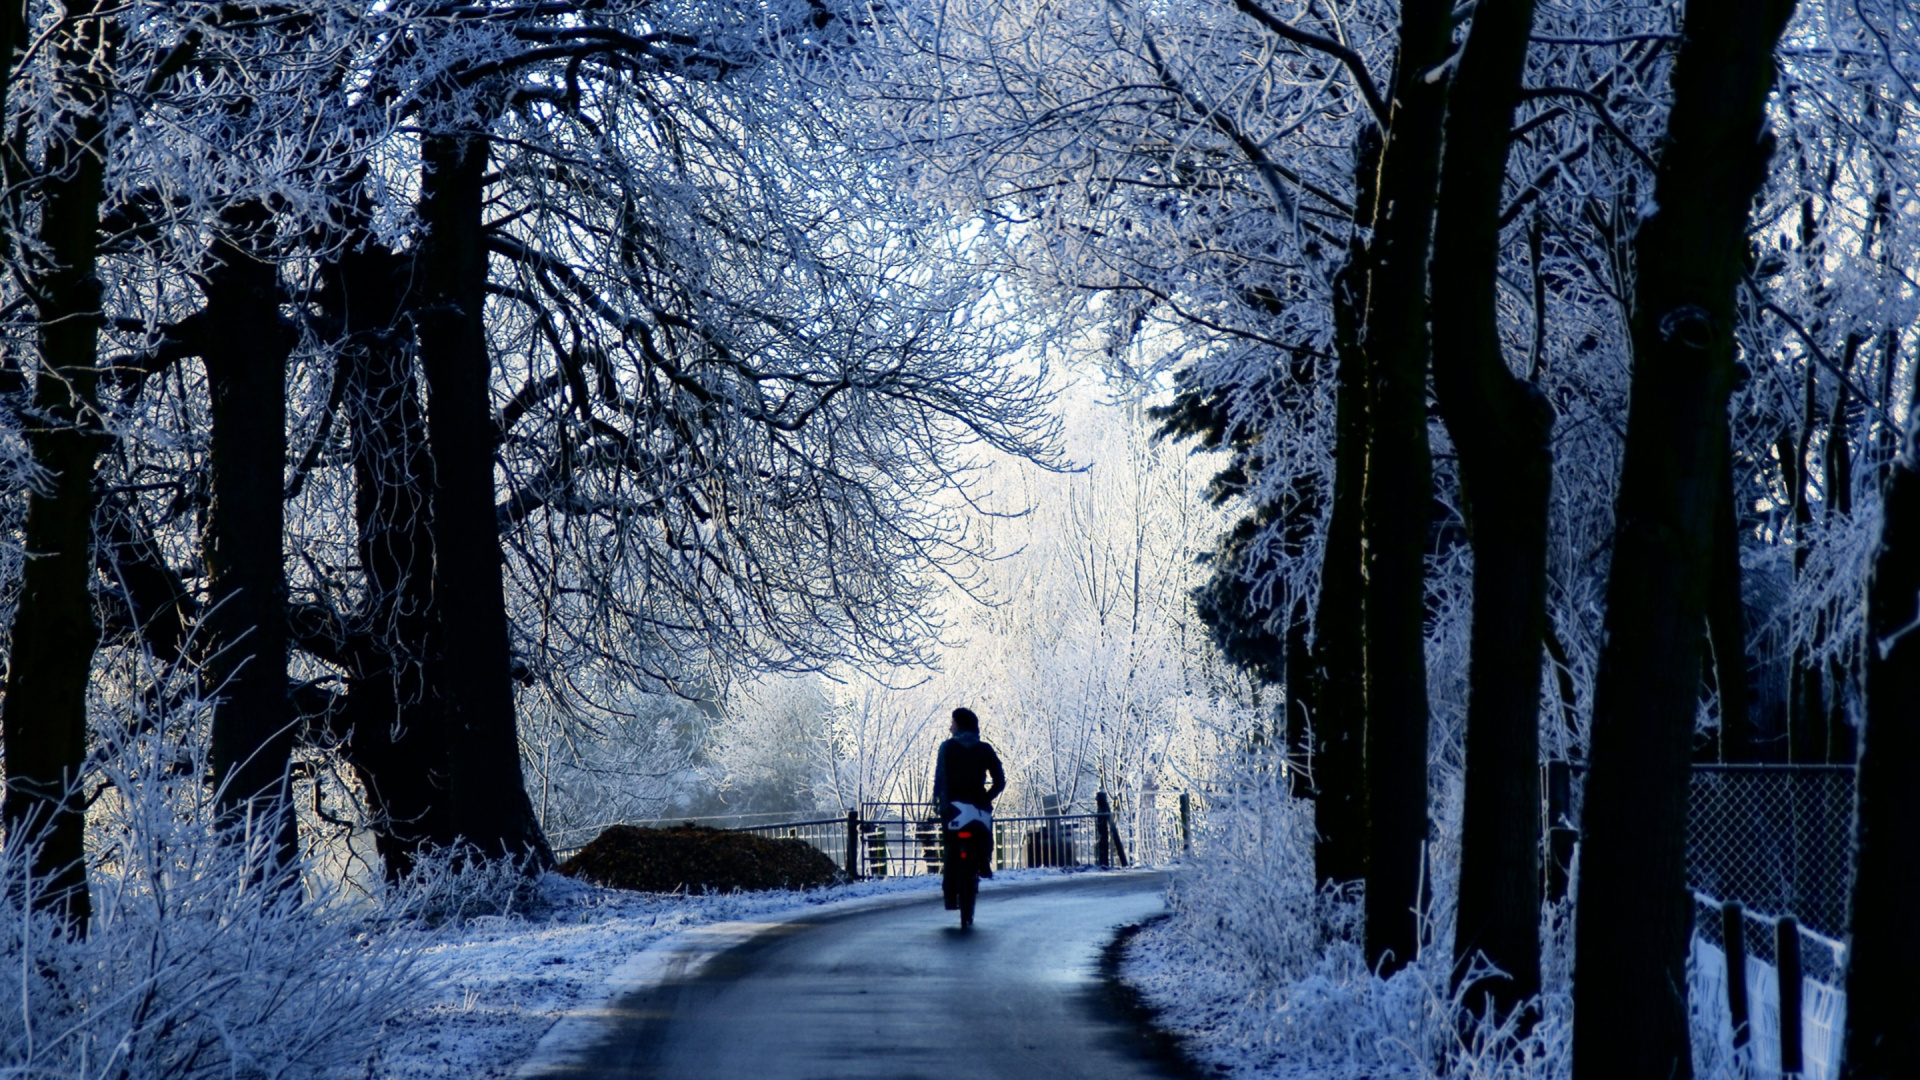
1339, 656
1399, 489
245, 346
1883, 1000
54, 634
470, 670
1630, 1008
1499, 424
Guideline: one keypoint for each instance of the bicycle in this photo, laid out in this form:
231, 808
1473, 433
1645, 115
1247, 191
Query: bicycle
967, 850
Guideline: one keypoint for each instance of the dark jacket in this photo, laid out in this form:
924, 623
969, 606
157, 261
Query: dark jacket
962, 771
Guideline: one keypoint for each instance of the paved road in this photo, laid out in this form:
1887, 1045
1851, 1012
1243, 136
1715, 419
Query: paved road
897, 993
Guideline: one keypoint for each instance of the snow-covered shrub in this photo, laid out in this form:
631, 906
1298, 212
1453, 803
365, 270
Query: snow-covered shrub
457, 884
207, 955
1265, 974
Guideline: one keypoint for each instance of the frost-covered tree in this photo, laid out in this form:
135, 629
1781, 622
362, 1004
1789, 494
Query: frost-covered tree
1083, 656
561, 353
53, 633
141, 147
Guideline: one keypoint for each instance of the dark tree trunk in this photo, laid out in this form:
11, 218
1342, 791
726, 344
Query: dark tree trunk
1630, 980
1727, 625
1809, 717
393, 738
1806, 698
469, 672
1399, 491
1500, 425
1339, 659
1299, 703
13, 34
1883, 998
159, 608
1839, 476
246, 357
1839, 455
54, 635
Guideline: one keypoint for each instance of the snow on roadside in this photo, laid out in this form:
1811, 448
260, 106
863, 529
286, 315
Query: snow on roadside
1261, 975
500, 982
1323, 1016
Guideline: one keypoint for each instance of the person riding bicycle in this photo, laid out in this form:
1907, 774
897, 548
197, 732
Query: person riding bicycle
967, 777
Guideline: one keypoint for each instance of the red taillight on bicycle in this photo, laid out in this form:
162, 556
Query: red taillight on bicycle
964, 835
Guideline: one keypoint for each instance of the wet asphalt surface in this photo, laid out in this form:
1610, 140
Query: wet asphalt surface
901, 993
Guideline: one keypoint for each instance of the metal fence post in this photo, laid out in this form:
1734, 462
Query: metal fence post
853, 844
1186, 824
1102, 823
1786, 958
1733, 933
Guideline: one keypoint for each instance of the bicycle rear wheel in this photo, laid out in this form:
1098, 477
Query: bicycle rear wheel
968, 889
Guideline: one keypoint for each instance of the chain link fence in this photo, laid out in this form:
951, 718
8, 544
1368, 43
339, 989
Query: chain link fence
1777, 838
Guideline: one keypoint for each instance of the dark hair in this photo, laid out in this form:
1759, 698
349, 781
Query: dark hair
965, 720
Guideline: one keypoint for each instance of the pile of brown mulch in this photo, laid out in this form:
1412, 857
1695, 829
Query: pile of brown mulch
697, 859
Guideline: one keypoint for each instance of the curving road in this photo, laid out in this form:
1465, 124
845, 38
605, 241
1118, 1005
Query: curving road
900, 993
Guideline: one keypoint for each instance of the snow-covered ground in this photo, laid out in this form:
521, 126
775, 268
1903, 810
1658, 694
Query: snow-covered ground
499, 983
1263, 975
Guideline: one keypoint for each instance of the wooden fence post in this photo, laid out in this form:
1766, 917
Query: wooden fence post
1186, 824
1733, 932
853, 844
1102, 823
1786, 958
1561, 835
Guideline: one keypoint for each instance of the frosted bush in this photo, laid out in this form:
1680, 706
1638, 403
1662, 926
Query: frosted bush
1265, 974
207, 955
457, 884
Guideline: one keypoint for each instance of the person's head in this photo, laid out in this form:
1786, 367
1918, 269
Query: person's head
964, 720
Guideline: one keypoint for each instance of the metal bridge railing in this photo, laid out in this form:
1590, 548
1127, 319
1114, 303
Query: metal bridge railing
905, 843
829, 835
899, 839
1159, 829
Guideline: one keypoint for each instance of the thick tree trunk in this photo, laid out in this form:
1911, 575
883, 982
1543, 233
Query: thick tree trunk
393, 737
54, 635
1630, 980
1500, 425
246, 359
1399, 491
1339, 682
1883, 998
469, 672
